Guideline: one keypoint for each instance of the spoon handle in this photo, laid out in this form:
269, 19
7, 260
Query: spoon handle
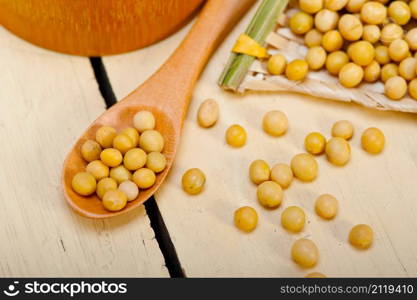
180, 72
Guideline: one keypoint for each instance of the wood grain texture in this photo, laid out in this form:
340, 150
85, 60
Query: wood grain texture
378, 190
47, 99
92, 27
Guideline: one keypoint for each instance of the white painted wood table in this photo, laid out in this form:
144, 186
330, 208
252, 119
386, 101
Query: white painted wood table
47, 99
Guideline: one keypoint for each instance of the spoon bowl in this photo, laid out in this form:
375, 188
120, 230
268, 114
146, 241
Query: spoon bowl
166, 94
91, 206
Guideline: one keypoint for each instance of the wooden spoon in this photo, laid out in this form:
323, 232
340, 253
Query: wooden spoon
167, 94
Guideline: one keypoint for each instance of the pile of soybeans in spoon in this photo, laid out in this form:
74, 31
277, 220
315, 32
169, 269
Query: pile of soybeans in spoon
120, 164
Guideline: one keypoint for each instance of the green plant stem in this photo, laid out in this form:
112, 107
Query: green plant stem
260, 26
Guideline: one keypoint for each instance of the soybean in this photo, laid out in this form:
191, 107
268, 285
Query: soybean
193, 181
270, 194
208, 113
304, 167
259, 171
246, 218
282, 174
305, 253
338, 151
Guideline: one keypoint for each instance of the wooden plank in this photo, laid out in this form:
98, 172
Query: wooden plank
47, 100
378, 190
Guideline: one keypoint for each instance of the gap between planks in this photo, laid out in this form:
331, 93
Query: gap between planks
157, 223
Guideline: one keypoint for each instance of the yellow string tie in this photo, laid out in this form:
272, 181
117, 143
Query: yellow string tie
246, 45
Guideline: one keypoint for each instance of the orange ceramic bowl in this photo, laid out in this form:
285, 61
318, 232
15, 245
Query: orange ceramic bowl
95, 27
